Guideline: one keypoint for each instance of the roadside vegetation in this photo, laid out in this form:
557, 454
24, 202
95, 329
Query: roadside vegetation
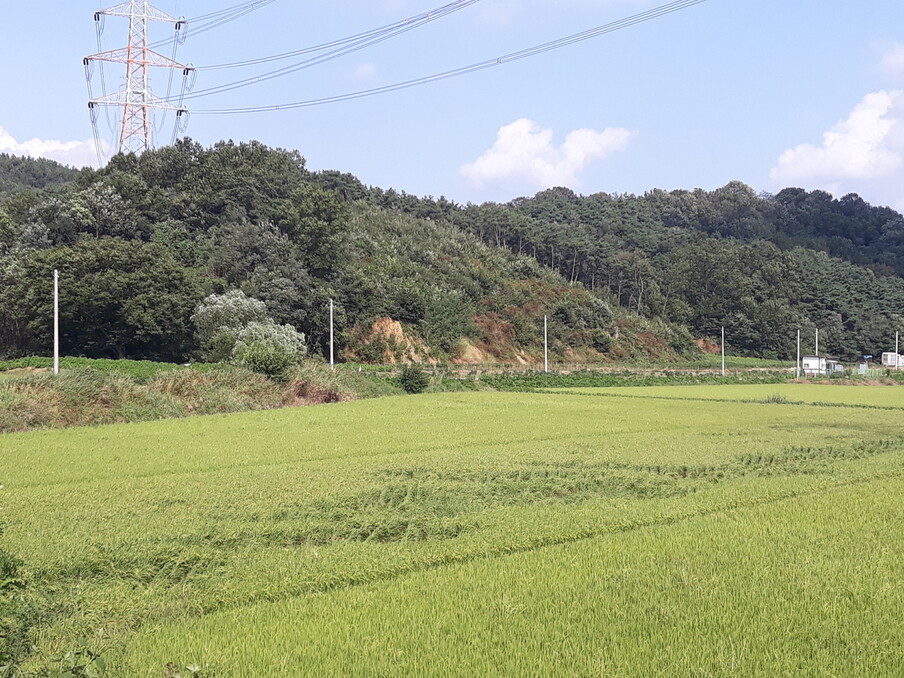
88, 392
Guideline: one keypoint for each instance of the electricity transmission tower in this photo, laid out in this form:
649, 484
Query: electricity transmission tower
136, 100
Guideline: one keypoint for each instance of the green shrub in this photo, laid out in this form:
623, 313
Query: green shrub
264, 358
413, 379
268, 348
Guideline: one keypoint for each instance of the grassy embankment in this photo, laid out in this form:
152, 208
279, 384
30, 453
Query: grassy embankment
472, 534
93, 392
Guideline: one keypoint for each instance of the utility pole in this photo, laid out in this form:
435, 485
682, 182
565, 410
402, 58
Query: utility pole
897, 355
545, 345
136, 100
723, 350
56, 322
797, 364
817, 342
332, 336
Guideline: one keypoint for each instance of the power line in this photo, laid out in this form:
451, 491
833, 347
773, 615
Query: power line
229, 10
454, 6
220, 19
479, 66
372, 38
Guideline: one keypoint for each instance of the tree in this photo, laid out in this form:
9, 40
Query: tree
220, 318
118, 298
316, 221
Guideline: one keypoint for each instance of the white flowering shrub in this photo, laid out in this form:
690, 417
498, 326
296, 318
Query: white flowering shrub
220, 318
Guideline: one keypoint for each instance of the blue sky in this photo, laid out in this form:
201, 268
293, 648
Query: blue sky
774, 93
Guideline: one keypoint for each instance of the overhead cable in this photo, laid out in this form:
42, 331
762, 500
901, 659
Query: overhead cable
479, 66
373, 38
198, 26
454, 6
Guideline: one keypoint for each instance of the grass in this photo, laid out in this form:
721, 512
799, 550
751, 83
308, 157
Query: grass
512, 532
137, 369
714, 361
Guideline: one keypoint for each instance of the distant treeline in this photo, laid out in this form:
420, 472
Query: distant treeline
18, 173
761, 265
141, 242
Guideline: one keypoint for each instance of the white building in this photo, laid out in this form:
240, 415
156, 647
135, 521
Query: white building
892, 360
820, 366
813, 365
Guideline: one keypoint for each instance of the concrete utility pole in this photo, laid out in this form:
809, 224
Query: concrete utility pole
897, 355
136, 100
545, 345
56, 322
332, 336
797, 364
817, 343
723, 350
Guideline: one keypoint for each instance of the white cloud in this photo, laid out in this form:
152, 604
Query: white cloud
75, 153
869, 144
893, 61
525, 151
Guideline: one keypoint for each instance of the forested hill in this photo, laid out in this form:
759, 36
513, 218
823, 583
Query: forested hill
20, 173
142, 242
761, 265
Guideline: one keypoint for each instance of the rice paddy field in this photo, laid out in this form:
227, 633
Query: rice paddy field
887, 397
650, 531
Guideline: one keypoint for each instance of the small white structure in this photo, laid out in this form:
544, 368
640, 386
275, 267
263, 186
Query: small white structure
820, 366
892, 360
814, 365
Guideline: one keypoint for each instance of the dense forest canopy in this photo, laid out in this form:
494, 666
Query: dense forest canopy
19, 173
761, 265
141, 242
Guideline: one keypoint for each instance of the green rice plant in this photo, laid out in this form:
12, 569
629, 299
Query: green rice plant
207, 541
531, 381
824, 394
806, 587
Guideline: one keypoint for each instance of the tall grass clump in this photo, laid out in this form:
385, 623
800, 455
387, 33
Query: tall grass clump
316, 382
413, 379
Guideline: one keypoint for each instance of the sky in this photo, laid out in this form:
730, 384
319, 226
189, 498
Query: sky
774, 93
